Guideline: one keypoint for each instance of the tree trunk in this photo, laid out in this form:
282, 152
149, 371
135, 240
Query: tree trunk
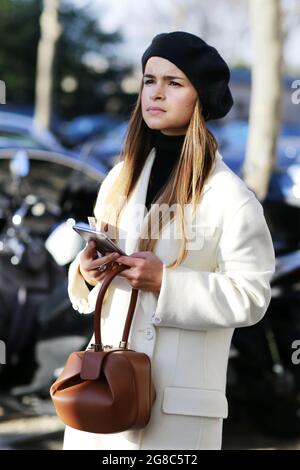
265, 104
50, 31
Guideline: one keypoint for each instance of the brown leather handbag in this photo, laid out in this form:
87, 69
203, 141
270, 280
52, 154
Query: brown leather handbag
106, 389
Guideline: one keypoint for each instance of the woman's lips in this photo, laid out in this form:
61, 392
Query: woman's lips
155, 111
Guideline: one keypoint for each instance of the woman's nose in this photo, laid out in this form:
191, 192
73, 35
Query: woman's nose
157, 92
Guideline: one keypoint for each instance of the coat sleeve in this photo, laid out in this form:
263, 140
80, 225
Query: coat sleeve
83, 299
237, 293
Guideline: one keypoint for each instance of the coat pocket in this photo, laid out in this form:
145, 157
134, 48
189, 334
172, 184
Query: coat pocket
195, 402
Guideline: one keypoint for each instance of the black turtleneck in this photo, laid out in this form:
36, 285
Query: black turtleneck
168, 148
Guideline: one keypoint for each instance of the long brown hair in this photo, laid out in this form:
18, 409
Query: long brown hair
184, 185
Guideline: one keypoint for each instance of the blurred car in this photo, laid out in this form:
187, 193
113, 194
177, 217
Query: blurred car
108, 148
18, 131
282, 202
42, 194
288, 150
233, 136
60, 177
82, 128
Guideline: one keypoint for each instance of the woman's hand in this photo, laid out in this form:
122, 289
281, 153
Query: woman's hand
145, 270
90, 262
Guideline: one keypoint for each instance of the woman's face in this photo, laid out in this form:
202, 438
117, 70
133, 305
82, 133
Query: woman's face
165, 86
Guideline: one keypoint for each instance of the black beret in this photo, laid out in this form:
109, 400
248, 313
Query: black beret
201, 63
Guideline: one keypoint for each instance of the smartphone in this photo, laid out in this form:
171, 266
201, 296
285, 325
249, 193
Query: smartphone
104, 243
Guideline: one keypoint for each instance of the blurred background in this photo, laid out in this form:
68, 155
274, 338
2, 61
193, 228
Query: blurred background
69, 76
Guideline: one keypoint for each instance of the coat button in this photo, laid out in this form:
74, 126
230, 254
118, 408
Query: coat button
149, 333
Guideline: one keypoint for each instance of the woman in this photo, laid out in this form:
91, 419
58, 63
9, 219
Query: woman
206, 265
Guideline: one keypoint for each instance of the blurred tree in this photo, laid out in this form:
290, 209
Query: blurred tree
87, 72
50, 32
265, 104
19, 35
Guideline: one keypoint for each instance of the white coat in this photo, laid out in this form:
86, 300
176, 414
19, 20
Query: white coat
186, 328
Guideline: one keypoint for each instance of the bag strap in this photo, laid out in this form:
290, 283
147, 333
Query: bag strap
98, 346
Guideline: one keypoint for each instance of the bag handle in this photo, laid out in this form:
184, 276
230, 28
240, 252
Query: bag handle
98, 346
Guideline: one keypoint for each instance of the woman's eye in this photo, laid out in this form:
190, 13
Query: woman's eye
150, 81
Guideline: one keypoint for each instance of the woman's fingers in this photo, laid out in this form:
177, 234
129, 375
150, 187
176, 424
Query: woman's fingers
89, 253
90, 262
95, 264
